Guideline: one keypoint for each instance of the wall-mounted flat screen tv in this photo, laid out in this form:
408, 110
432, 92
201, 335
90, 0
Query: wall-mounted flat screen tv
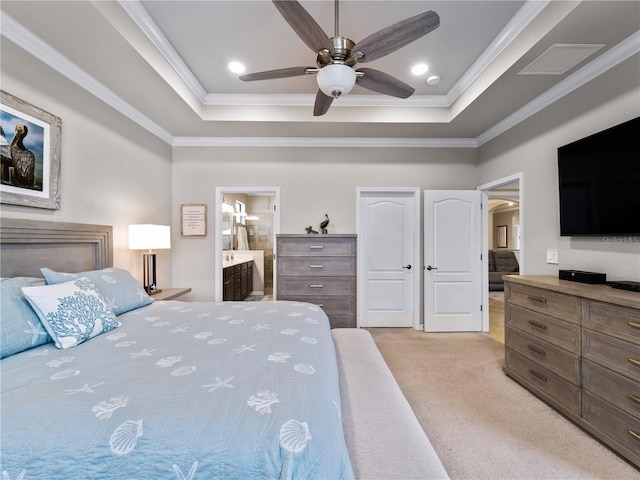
599, 179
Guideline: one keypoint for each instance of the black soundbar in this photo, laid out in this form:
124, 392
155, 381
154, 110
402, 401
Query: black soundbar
583, 277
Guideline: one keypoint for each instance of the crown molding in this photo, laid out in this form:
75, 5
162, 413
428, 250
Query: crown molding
609, 59
315, 142
146, 24
308, 99
523, 17
25, 39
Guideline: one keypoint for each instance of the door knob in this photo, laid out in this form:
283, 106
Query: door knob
431, 268
408, 267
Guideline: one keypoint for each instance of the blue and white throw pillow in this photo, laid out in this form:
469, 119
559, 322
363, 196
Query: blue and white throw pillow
121, 291
72, 312
20, 328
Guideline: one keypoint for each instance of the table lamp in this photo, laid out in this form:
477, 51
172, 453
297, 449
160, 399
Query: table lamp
149, 237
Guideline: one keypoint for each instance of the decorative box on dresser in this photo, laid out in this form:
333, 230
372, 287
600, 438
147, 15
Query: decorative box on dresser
319, 269
577, 346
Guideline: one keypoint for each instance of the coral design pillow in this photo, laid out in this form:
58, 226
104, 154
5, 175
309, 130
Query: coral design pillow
72, 312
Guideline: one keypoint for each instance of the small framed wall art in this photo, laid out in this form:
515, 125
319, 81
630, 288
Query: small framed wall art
30, 147
193, 219
502, 236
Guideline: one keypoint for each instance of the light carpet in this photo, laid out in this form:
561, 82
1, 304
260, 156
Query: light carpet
482, 424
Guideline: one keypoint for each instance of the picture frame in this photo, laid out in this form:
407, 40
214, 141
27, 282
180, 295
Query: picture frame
502, 236
193, 219
33, 137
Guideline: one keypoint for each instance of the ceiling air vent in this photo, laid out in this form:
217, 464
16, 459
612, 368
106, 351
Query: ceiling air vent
560, 58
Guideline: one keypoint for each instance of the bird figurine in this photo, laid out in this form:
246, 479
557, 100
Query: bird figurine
323, 225
310, 229
23, 159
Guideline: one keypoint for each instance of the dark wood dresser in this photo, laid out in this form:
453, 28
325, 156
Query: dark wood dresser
319, 269
577, 346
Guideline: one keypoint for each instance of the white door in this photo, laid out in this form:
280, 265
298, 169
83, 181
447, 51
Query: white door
388, 258
453, 263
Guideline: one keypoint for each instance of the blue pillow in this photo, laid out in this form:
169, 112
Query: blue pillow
20, 328
121, 291
72, 312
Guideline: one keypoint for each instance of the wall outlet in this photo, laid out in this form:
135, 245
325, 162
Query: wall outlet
552, 256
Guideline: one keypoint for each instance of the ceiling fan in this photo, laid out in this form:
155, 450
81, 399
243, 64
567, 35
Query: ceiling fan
336, 57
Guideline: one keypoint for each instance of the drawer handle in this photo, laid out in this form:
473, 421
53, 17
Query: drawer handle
316, 266
536, 350
537, 325
634, 434
316, 247
539, 376
537, 299
318, 285
634, 398
634, 362
634, 325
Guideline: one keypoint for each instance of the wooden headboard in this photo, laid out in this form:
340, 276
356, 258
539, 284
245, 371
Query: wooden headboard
28, 245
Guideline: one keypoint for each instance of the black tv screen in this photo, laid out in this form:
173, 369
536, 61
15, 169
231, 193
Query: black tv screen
599, 179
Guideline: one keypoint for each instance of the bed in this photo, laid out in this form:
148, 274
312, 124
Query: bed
155, 390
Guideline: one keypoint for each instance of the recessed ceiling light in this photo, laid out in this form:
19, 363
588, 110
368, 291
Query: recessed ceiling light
419, 69
433, 80
236, 67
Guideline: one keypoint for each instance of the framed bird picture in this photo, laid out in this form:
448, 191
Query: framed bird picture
30, 148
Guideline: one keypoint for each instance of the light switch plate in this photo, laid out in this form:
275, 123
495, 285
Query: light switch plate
552, 256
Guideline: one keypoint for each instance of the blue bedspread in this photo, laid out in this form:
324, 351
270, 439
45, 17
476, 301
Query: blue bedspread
180, 391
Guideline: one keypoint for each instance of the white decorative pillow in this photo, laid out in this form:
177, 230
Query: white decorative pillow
71, 312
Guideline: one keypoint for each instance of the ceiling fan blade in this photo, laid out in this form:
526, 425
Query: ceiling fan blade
396, 36
271, 74
304, 25
383, 83
323, 102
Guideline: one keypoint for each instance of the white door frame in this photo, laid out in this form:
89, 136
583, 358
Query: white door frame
417, 247
220, 191
485, 188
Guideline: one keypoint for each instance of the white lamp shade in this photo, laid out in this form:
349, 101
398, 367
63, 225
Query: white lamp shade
336, 79
148, 237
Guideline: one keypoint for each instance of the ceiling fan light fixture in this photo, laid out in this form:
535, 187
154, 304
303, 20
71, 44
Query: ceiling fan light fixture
337, 79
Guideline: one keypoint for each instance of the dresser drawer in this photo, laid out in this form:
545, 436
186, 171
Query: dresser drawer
317, 286
316, 266
544, 382
615, 354
616, 427
557, 360
619, 321
566, 307
340, 308
563, 334
620, 391
316, 245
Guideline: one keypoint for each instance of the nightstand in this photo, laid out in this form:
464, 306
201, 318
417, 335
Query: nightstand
170, 293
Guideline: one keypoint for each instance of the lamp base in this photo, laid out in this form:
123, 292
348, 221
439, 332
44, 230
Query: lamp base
149, 273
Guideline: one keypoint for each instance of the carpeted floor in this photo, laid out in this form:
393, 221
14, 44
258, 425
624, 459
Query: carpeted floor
482, 424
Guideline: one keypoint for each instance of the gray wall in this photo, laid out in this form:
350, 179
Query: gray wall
112, 171
312, 181
531, 148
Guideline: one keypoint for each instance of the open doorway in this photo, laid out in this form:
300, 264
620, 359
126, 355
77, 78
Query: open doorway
247, 222
503, 246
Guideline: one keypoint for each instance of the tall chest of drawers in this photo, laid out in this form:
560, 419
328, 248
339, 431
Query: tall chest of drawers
577, 347
319, 269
